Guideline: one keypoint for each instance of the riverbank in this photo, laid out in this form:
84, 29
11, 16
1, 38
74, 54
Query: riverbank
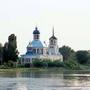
48, 65
22, 69
59, 70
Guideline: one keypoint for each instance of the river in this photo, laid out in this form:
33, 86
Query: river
44, 80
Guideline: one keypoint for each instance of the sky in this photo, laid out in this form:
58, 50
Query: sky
70, 19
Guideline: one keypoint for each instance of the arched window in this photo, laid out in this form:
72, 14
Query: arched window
51, 42
54, 42
41, 51
38, 51
34, 51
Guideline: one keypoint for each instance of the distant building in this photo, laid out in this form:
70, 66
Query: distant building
39, 50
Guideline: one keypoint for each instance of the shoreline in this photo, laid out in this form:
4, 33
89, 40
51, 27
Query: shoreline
43, 70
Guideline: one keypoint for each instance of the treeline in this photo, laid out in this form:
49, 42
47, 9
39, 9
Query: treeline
9, 51
81, 56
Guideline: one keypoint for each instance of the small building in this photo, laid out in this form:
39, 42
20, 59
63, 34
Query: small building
39, 50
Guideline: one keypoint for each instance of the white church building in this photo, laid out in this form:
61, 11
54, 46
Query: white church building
39, 50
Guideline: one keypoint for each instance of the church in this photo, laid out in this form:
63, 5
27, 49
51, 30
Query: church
39, 50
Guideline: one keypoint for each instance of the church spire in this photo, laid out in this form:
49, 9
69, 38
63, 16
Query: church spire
53, 36
53, 31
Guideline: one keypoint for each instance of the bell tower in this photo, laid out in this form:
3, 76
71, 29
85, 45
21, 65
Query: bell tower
53, 39
53, 47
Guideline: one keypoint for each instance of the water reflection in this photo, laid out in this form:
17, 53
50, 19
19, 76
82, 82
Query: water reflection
32, 74
47, 80
19, 87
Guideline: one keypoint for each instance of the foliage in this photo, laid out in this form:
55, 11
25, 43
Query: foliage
67, 52
49, 63
58, 63
72, 64
46, 63
27, 65
4, 67
82, 56
37, 63
69, 64
10, 49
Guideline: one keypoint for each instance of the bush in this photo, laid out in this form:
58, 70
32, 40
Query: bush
3, 67
72, 64
69, 64
47, 63
58, 63
10, 64
27, 65
50, 63
21, 66
37, 63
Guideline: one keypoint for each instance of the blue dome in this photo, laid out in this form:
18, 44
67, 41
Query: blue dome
37, 44
36, 31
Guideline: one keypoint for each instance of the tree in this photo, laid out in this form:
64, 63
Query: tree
12, 48
10, 51
67, 52
5, 52
12, 41
82, 56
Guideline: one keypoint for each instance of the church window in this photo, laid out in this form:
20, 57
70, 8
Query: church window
36, 36
38, 51
26, 60
51, 42
54, 42
51, 47
34, 51
22, 60
41, 51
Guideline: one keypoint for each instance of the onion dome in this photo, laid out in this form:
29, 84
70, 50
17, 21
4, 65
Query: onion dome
36, 31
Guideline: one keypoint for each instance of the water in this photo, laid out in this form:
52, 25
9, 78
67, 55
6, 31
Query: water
44, 80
